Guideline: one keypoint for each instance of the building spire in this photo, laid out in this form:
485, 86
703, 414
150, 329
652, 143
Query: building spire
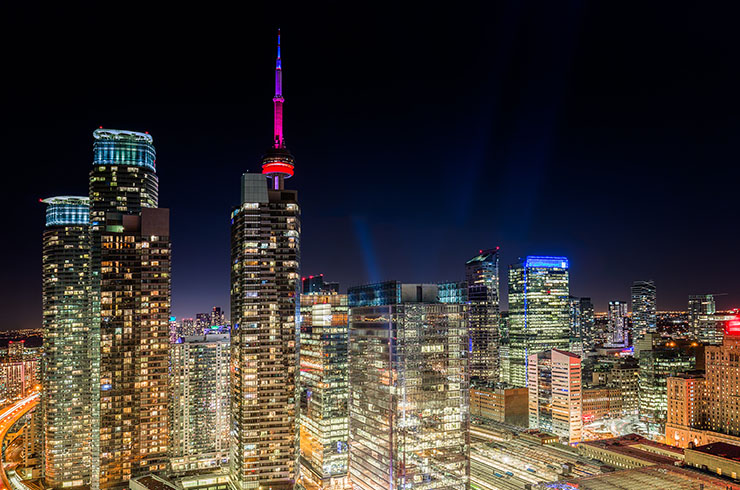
278, 163
278, 140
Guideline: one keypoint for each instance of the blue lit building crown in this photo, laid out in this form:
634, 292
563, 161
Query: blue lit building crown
543, 261
118, 147
67, 210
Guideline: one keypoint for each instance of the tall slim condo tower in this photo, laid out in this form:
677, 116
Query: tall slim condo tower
265, 231
65, 400
481, 275
130, 305
643, 308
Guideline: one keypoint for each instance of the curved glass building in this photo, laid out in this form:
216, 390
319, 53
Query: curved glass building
65, 400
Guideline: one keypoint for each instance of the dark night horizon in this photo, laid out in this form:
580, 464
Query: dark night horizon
605, 135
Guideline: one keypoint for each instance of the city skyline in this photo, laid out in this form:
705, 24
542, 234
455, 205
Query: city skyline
450, 170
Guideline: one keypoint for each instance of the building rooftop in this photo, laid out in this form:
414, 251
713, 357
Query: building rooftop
720, 449
647, 477
638, 447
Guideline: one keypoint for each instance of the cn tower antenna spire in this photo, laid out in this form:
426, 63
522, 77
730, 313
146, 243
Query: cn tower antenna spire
278, 139
278, 163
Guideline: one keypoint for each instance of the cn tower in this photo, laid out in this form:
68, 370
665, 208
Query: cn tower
278, 163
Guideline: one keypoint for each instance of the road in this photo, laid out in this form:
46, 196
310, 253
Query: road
8, 417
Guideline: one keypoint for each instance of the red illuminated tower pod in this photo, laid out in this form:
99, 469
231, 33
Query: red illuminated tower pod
278, 163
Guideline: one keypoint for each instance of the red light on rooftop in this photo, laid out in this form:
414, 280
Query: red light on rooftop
101, 127
732, 327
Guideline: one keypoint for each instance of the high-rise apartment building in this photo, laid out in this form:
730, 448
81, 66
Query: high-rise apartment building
323, 389
539, 314
265, 282
130, 309
65, 400
482, 278
408, 402
555, 395
618, 323
199, 404
644, 313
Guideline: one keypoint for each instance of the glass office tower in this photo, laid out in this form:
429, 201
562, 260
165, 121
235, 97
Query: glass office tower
323, 389
481, 275
539, 312
130, 309
409, 413
265, 284
644, 314
199, 403
65, 399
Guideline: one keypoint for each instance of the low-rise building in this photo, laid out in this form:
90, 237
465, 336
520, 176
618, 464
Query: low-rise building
719, 457
500, 404
631, 451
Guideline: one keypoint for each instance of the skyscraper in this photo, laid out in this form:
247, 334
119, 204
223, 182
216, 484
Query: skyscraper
323, 389
555, 398
643, 308
65, 399
481, 275
586, 309
409, 413
199, 406
539, 315
130, 309
618, 323
265, 281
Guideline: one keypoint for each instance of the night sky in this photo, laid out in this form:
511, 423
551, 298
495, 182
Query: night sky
603, 131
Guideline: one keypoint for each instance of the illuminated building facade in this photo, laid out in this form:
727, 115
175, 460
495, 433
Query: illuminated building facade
618, 324
702, 309
199, 404
539, 314
408, 401
644, 313
265, 282
555, 396
622, 374
481, 276
323, 389
453, 292
657, 363
130, 309
704, 409
65, 399
17, 348
588, 333
500, 404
